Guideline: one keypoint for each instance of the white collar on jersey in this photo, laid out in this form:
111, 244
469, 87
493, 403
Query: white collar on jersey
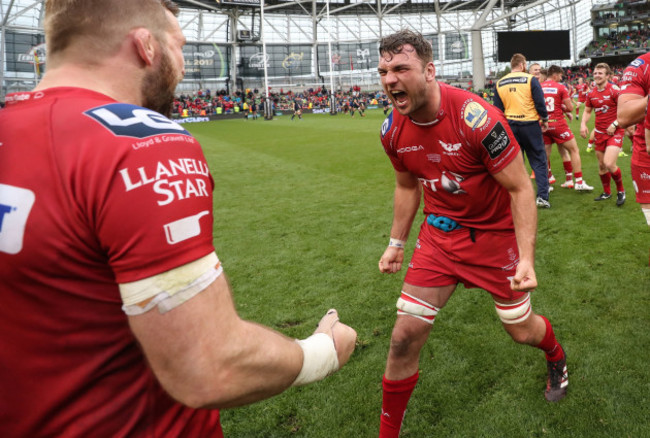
423, 123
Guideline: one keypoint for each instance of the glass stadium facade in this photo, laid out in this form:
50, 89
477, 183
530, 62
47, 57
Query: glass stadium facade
310, 42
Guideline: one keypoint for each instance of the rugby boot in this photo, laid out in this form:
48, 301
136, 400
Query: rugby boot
542, 203
620, 199
583, 187
558, 380
603, 197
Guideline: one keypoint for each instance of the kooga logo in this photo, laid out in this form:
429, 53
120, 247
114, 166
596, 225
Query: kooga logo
410, 149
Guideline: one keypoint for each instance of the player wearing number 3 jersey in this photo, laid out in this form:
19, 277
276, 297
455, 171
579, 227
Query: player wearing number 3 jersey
556, 95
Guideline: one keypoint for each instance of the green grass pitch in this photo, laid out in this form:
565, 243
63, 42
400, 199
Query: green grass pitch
302, 214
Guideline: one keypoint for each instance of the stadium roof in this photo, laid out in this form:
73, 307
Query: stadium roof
351, 7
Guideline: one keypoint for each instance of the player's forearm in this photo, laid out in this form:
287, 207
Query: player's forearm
203, 354
568, 103
406, 204
631, 109
258, 364
524, 216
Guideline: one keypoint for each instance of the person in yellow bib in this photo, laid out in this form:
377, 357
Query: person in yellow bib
520, 97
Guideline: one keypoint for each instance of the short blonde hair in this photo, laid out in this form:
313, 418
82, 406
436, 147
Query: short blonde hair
517, 59
604, 66
100, 25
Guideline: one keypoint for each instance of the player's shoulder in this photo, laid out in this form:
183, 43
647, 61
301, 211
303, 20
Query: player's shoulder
641, 61
476, 114
132, 121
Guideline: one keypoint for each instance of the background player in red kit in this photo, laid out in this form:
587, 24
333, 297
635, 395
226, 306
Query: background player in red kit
458, 150
632, 105
582, 89
112, 294
608, 135
556, 95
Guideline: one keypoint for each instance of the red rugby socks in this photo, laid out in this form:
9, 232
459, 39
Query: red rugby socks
618, 179
606, 179
568, 170
396, 395
549, 344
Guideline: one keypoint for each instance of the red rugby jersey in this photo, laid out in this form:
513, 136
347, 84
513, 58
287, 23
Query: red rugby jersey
554, 95
636, 80
92, 193
604, 104
454, 158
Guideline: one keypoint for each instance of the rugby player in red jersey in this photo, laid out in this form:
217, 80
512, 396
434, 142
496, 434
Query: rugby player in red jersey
558, 101
116, 318
632, 105
608, 134
582, 89
480, 218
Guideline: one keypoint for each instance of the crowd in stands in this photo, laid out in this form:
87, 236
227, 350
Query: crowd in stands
630, 40
204, 103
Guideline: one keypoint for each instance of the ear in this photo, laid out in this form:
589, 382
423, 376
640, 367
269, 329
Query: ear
430, 70
144, 45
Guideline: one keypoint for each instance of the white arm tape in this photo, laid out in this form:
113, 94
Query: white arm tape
396, 243
172, 288
319, 359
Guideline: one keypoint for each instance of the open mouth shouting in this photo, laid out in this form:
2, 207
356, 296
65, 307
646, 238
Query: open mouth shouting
400, 98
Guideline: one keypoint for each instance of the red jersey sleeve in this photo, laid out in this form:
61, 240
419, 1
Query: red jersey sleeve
144, 186
636, 77
389, 131
564, 93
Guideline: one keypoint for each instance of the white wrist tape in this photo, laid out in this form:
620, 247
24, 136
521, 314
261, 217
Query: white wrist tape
319, 359
396, 243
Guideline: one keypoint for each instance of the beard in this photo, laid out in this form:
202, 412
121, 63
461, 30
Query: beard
158, 87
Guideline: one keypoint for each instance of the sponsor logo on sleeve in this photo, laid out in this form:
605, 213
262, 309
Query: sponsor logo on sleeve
385, 127
638, 62
496, 141
15, 205
170, 180
184, 229
125, 120
474, 115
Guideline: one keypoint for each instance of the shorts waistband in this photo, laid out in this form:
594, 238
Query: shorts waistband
443, 223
